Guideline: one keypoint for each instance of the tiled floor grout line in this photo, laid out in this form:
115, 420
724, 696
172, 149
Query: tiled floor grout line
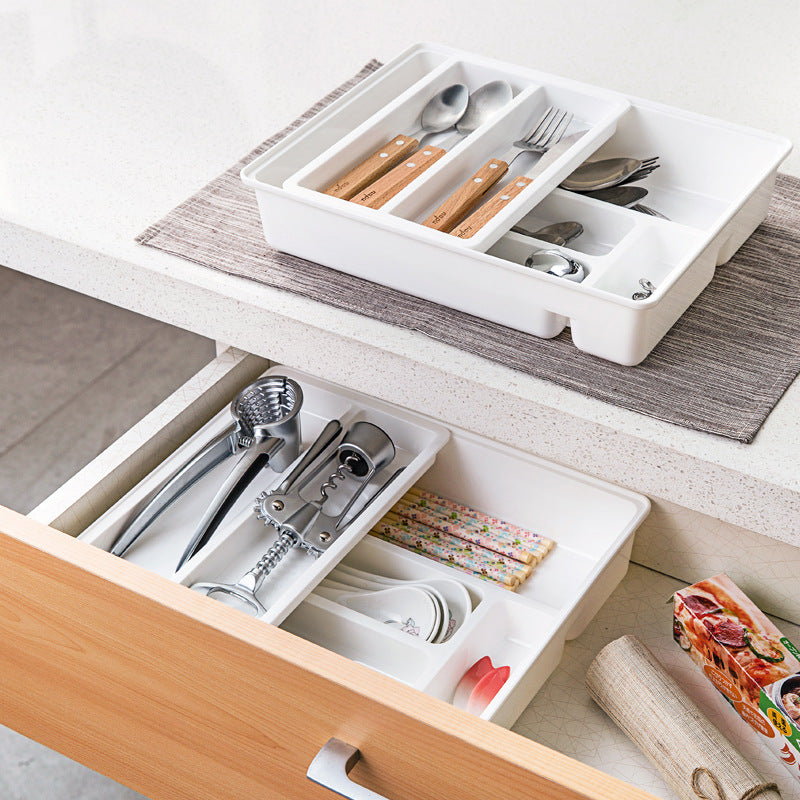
82, 389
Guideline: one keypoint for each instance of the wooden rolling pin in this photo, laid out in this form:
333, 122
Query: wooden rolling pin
629, 684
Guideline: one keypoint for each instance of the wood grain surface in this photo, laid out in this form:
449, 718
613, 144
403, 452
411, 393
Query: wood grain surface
178, 696
490, 209
385, 188
466, 197
373, 167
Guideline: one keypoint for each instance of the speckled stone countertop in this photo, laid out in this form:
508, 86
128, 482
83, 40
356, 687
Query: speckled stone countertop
113, 115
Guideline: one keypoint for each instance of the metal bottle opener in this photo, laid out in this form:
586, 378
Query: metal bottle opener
362, 453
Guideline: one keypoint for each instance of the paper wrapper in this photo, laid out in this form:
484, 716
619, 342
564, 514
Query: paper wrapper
629, 684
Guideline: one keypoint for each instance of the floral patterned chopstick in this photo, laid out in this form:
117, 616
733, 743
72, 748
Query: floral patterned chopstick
471, 516
464, 538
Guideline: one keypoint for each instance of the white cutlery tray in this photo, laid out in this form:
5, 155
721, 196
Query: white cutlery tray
593, 523
714, 183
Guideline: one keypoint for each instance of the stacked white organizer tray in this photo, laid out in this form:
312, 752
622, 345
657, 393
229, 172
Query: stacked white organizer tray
714, 184
592, 522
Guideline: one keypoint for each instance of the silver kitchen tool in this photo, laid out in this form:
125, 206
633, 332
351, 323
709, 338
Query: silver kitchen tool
607, 172
647, 290
619, 195
649, 211
362, 453
559, 233
554, 263
266, 428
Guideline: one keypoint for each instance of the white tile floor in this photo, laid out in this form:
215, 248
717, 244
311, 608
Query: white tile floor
75, 373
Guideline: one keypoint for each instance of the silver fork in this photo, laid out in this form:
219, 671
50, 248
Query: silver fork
641, 173
548, 130
544, 134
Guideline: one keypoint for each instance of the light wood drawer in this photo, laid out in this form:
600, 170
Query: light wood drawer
178, 696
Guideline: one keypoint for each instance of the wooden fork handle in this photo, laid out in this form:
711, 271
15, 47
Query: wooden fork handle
473, 223
466, 197
373, 167
385, 188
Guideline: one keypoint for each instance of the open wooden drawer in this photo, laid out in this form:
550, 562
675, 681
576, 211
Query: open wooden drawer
179, 696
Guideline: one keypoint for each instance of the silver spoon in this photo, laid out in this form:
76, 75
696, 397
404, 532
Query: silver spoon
441, 112
559, 233
604, 173
483, 104
649, 211
554, 263
626, 196
619, 195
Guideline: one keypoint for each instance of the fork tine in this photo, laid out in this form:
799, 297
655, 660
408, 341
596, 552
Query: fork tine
543, 135
544, 120
639, 174
558, 132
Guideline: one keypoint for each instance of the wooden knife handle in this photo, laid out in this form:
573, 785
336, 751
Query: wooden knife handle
373, 167
385, 188
466, 197
472, 224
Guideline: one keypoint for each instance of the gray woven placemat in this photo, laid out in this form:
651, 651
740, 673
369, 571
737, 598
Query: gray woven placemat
721, 369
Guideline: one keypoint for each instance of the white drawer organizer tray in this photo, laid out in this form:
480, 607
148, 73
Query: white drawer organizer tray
714, 183
592, 522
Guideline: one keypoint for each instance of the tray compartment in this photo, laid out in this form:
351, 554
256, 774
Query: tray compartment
346, 114
605, 225
591, 116
654, 251
593, 525
242, 539
401, 115
360, 639
511, 636
707, 168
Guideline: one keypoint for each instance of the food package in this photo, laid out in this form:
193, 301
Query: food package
696, 760
746, 657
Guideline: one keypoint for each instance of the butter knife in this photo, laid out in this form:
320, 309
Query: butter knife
473, 223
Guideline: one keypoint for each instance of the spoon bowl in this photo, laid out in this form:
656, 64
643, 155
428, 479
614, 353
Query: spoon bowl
483, 104
445, 109
601, 174
408, 607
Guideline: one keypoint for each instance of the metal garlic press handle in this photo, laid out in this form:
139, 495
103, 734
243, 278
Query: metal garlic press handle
253, 460
212, 454
331, 767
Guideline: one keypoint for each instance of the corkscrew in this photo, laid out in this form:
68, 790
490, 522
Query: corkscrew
306, 524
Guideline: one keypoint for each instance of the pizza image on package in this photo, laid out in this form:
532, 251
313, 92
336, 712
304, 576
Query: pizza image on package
745, 656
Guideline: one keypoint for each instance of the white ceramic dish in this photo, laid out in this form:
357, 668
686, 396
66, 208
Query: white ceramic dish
715, 183
592, 521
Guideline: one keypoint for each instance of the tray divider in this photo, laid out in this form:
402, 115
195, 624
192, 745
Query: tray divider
356, 146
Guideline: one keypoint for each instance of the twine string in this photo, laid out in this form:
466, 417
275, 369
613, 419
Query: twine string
750, 794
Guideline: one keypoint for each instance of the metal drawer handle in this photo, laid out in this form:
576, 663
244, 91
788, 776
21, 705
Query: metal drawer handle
330, 769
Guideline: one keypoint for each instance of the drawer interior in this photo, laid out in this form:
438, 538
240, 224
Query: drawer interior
591, 522
589, 519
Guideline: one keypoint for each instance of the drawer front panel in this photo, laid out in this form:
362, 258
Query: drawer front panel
181, 697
